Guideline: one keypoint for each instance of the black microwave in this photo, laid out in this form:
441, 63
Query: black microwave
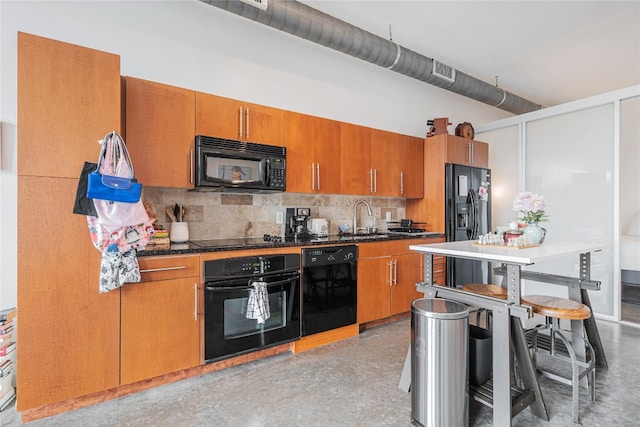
236, 166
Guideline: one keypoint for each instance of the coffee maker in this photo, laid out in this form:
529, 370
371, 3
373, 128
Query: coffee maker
295, 227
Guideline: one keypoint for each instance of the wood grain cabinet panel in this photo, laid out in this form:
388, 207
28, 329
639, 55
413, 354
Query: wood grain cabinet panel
229, 118
411, 166
160, 133
380, 163
160, 321
313, 154
355, 159
68, 99
69, 333
384, 163
387, 277
465, 151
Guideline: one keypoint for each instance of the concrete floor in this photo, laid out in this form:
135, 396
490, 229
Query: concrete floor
349, 383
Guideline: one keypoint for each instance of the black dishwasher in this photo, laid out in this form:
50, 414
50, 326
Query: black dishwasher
329, 288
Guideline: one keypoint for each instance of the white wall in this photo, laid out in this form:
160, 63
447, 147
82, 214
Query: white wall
191, 44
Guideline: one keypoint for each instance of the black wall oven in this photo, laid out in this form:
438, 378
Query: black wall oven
229, 327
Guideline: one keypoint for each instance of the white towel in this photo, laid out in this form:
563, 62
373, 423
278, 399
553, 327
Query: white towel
258, 303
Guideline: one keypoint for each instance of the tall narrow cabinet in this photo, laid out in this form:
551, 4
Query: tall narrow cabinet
68, 99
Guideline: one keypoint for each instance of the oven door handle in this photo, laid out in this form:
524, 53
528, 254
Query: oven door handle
248, 288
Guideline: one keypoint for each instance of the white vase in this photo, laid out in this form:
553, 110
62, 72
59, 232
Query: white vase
535, 233
179, 232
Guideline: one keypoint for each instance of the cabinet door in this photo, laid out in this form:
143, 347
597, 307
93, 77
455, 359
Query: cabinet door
458, 150
300, 153
68, 98
480, 154
408, 272
384, 162
411, 166
355, 159
327, 155
219, 117
373, 288
264, 125
159, 328
160, 133
69, 333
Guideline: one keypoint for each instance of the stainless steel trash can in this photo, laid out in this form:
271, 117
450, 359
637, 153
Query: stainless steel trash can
439, 363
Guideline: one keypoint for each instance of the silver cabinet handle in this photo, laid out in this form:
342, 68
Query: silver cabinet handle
375, 180
247, 121
390, 264
313, 176
395, 272
370, 180
470, 153
401, 182
152, 270
191, 162
240, 124
318, 169
195, 301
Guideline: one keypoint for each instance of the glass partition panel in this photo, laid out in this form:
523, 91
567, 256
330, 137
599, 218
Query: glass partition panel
504, 158
570, 161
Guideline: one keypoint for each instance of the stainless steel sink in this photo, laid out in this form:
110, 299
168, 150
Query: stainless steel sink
358, 237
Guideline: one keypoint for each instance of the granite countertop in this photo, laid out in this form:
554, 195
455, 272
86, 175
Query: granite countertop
220, 245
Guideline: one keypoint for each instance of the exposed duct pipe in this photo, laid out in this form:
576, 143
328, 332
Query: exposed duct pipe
311, 24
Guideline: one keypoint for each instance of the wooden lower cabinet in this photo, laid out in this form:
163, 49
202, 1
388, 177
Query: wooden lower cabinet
160, 320
387, 277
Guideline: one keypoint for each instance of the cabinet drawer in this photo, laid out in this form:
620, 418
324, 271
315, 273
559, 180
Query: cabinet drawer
169, 267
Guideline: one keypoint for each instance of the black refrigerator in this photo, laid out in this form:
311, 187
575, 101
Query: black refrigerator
467, 216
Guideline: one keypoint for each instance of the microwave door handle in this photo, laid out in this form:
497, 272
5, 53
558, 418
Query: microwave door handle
264, 171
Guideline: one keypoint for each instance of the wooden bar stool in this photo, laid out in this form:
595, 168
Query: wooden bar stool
493, 291
558, 346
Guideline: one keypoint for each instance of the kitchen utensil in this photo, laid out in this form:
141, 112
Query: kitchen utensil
176, 212
170, 214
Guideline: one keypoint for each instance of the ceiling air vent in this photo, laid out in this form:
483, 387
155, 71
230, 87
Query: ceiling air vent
444, 71
260, 4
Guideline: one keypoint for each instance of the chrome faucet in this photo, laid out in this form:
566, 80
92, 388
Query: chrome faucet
355, 214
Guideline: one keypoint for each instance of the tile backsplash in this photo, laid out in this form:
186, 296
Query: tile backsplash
225, 215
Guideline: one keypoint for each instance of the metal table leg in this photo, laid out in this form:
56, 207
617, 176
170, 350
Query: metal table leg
589, 324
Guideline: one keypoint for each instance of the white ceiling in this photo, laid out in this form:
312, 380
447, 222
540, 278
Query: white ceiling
549, 52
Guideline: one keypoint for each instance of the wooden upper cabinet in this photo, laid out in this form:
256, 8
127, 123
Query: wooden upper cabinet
160, 131
384, 163
228, 118
313, 154
411, 166
465, 151
68, 99
327, 149
355, 160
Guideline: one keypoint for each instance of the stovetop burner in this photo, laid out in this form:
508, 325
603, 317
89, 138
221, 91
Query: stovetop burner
237, 242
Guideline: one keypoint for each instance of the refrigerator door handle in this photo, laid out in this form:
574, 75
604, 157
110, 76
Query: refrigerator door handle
472, 228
